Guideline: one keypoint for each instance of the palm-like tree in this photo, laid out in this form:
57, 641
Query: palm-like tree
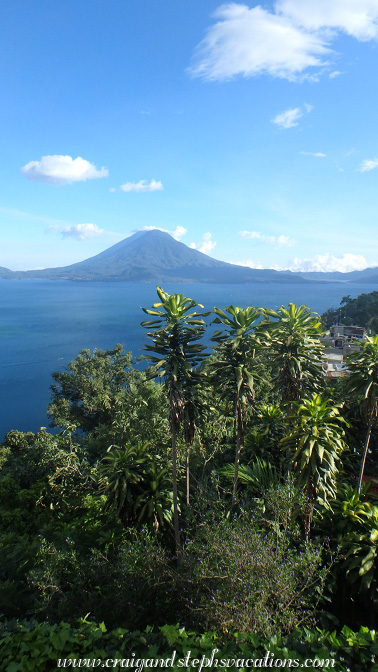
136, 487
297, 357
360, 548
362, 385
175, 355
315, 440
234, 372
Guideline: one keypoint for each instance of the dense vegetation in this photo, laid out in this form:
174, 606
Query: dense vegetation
361, 311
223, 490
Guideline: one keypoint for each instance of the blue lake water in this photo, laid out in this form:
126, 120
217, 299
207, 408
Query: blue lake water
44, 325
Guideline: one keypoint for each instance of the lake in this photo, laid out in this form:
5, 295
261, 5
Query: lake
44, 324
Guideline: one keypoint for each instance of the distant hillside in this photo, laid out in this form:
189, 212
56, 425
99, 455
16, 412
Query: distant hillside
6, 273
367, 275
154, 256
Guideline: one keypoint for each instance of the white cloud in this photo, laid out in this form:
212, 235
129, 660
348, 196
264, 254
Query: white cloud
177, 233
275, 241
248, 262
317, 155
328, 262
358, 18
335, 73
368, 165
207, 244
143, 185
79, 231
289, 118
59, 169
285, 42
254, 41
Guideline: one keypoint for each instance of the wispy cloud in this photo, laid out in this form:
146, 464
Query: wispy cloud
83, 231
59, 169
368, 165
289, 118
254, 41
286, 42
207, 245
248, 262
358, 18
177, 233
275, 241
324, 263
141, 186
329, 262
317, 155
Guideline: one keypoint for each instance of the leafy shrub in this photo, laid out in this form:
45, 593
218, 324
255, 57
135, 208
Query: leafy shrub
37, 647
251, 580
126, 586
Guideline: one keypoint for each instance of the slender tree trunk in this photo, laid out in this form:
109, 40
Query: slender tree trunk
239, 442
187, 474
364, 454
308, 510
175, 496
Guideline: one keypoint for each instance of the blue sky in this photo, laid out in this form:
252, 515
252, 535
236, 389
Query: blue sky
248, 131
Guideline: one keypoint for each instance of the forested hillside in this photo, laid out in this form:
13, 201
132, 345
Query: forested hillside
361, 311
227, 490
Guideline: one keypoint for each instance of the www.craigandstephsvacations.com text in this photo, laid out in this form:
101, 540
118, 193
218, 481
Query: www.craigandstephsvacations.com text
197, 663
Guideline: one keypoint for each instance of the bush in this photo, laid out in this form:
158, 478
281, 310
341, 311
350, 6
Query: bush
251, 580
37, 647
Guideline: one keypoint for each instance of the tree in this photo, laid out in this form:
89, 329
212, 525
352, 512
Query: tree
297, 352
234, 372
87, 393
361, 311
175, 355
315, 438
103, 396
136, 486
362, 385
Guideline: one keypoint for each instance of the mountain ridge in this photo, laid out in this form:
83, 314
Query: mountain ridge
155, 256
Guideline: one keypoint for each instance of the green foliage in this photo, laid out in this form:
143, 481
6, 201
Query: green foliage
85, 528
315, 437
297, 354
252, 571
263, 438
236, 368
126, 583
353, 521
176, 356
362, 311
94, 385
315, 443
361, 552
174, 351
108, 402
28, 646
362, 379
137, 488
258, 477
362, 386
